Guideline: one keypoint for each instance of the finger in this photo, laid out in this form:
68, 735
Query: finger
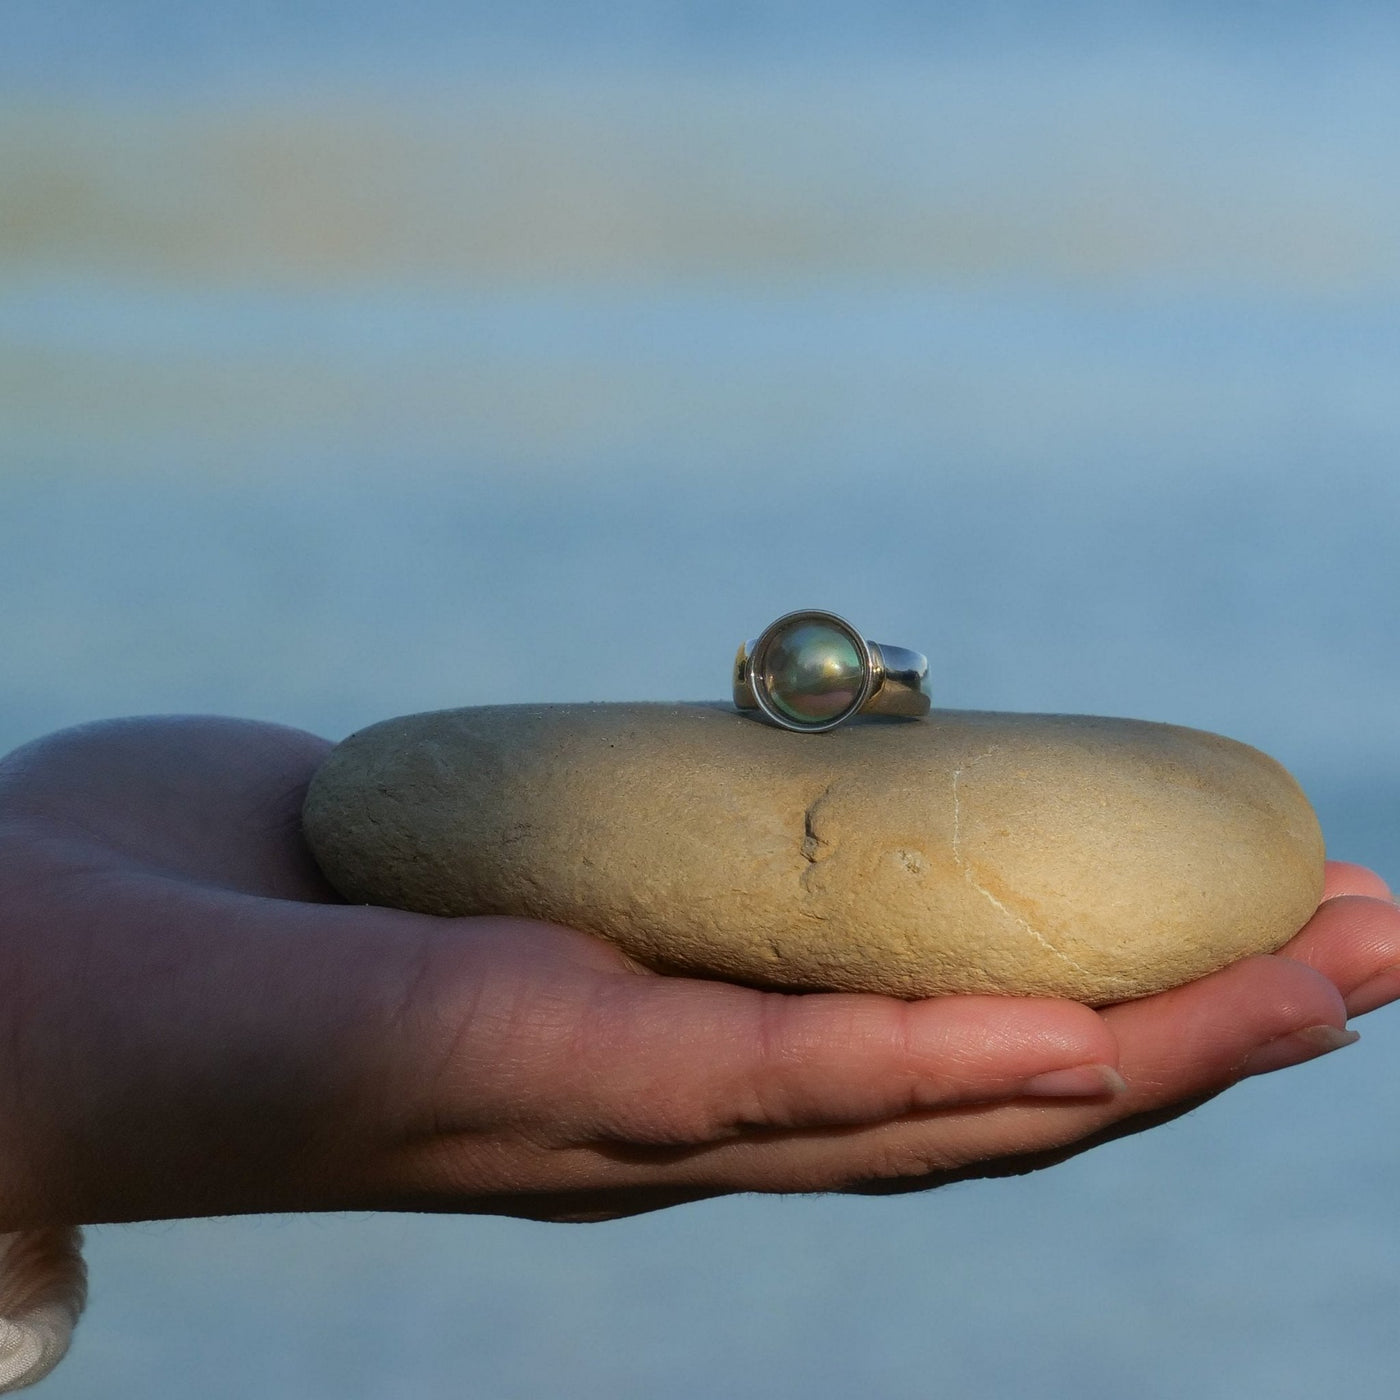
1346, 941
1183, 1045
1354, 941
1199, 1038
676, 1061
1186, 1045
1343, 877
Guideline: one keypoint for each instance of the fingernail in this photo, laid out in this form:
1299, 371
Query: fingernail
1295, 1048
1081, 1082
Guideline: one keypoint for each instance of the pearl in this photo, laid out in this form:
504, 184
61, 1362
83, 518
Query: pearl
813, 672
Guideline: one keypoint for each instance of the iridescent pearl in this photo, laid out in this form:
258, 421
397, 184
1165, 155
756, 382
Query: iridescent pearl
813, 672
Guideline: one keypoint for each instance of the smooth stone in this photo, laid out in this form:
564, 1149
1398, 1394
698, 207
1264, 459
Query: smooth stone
1038, 855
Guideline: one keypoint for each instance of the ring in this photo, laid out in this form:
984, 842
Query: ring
812, 670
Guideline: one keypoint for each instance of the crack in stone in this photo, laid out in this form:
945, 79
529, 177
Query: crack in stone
981, 889
811, 842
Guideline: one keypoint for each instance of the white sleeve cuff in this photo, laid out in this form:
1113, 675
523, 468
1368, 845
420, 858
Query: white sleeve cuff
43, 1286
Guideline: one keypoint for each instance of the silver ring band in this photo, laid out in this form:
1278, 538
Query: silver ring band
810, 671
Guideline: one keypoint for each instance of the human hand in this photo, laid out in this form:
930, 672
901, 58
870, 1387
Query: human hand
192, 1023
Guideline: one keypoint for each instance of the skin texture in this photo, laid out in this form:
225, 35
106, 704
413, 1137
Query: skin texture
194, 1024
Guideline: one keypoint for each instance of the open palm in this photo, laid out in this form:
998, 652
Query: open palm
194, 1023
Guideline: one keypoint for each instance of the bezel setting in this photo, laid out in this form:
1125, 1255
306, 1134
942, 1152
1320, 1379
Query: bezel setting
757, 669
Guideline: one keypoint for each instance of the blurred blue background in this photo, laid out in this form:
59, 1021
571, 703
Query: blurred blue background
354, 358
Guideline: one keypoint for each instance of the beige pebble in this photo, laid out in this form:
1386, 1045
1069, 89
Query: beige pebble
1038, 855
